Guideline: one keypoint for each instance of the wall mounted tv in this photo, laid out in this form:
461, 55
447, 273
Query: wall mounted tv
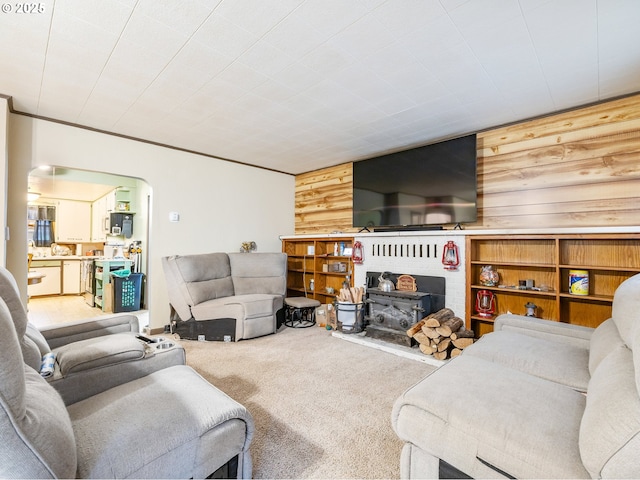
424, 187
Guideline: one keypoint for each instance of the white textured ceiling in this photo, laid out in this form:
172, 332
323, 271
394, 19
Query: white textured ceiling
297, 85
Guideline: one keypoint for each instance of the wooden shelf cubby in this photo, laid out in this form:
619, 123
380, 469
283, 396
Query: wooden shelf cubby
313, 259
547, 260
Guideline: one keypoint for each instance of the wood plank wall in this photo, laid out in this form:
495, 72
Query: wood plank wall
574, 169
324, 200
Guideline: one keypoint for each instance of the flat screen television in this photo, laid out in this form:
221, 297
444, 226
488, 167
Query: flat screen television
423, 187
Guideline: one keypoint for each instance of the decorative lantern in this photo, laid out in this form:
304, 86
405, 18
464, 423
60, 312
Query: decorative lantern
358, 253
485, 303
531, 309
450, 257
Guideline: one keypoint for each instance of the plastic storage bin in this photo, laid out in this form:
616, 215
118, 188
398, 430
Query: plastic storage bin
127, 292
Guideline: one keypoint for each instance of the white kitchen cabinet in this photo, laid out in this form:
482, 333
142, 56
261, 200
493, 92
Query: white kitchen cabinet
50, 284
99, 219
71, 278
73, 221
111, 202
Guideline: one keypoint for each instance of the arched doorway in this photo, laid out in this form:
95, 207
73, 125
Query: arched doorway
83, 205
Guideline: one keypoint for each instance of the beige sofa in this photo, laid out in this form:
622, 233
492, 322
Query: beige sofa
211, 288
533, 399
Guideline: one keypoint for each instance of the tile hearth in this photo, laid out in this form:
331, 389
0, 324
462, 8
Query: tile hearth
412, 353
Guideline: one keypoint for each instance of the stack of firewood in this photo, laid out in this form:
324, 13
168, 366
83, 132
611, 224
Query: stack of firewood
441, 334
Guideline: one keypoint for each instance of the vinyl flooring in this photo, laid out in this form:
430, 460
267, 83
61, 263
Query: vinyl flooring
60, 309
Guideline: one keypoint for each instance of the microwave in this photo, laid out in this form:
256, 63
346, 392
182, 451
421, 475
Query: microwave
121, 224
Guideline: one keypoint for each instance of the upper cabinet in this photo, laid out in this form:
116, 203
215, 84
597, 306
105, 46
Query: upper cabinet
119, 200
73, 220
123, 200
99, 219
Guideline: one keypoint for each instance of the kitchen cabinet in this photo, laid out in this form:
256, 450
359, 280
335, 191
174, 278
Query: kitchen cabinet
110, 202
104, 206
50, 284
71, 277
124, 200
99, 222
73, 220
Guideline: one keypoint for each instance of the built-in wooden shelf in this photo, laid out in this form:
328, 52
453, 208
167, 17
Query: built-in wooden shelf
307, 260
547, 260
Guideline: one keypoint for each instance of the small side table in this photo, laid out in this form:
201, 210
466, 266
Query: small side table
300, 312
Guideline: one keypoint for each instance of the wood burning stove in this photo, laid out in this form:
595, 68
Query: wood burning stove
390, 314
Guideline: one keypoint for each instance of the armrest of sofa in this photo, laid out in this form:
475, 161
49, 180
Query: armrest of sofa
545, 329
58, 335
98, 352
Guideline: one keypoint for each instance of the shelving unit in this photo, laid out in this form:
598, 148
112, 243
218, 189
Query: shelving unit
102, 276
547, 260
313, 259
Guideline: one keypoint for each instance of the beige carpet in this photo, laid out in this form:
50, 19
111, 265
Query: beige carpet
321, 405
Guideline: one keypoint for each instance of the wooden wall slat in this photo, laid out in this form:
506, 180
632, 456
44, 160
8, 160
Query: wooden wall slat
485, 149
559, 220
590, 206
627, 190
615, 111
573, 169
592, 148
575, 173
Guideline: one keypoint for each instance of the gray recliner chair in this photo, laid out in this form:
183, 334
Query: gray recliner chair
91, 355
169, 424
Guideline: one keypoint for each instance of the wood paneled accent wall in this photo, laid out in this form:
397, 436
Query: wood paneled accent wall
324, 200
574, 169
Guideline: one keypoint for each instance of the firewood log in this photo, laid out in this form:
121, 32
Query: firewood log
455, 352
441, 355
427, 349
432, 322
463, 333
430, 332
440, 316
420, 337
449, 326
444, 344
415, 328
462, 342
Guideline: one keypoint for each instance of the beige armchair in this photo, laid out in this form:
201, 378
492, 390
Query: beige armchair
91, 355
168, 424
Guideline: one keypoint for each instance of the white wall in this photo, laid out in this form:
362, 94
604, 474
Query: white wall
221, 204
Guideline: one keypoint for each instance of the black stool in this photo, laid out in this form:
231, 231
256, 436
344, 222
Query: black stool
300, 312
